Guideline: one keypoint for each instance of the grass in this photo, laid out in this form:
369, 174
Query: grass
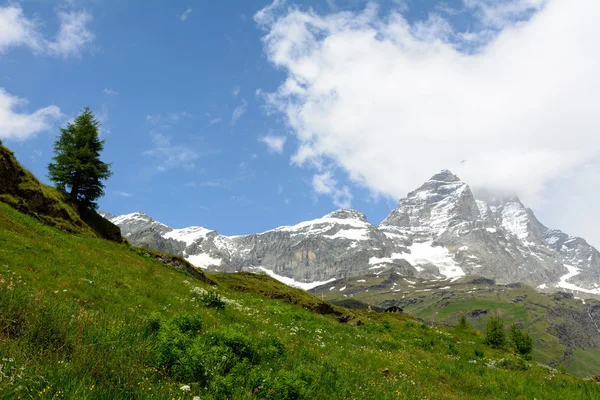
24, 192
85, 318
560, 327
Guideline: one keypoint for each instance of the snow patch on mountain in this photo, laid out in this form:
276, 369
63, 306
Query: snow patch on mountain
515, 220
188, 235
291, 282
355, 226
438, 256
564, 281
203, 260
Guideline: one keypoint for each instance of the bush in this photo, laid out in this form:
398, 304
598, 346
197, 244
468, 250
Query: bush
517, 364
213, 300
520, 341
463, 325
494, 333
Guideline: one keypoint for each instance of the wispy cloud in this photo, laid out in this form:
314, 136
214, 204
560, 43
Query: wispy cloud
236, 90
185, 14
35, 155
110, 92
274, 143
325, 184
73, 33
169, 155
215, 120
243, 173
121, 194
18, 125
167, 120
238, 112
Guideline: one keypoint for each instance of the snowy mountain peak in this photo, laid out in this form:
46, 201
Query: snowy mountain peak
347, 214
445, 176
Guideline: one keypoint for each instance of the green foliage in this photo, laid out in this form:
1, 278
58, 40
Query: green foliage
463, 325
212, 299
77, 165
478, 353
520, 341
494, 333
515, 364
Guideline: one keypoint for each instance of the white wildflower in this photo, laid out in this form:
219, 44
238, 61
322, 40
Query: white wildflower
185, 388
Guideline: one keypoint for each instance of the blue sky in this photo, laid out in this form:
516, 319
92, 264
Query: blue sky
200, 129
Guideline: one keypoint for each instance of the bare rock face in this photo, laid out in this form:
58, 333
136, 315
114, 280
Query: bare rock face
439, 231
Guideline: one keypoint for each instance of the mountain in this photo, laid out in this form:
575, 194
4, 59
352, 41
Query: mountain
440, 231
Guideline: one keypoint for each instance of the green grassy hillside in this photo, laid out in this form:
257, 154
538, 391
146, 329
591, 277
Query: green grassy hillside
563, 331
81, 317
24, 192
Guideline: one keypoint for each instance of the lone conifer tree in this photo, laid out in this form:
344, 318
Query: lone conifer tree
494, 333
76, 163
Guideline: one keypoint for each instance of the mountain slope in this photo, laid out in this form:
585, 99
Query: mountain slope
24, 192
565, 330
439, 231
81, 317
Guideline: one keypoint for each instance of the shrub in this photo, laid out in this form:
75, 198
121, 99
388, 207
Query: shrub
212, 299
479, 353
517, 364
521, 342
188, 323
494, 333
153, 323
463, 324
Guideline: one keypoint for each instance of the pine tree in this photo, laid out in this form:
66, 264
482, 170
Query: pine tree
522, 342
463, 324
494, 333
77, 165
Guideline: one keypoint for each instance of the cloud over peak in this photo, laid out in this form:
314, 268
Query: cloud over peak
391, 101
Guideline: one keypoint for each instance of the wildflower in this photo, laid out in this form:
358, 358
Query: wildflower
196, 398
185, 388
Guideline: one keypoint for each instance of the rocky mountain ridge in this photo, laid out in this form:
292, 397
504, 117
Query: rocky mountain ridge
440, 231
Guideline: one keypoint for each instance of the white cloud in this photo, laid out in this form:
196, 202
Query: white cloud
274, 143
392, 102
21, 125
238, 112
325, 184
498, 14
236, 90
185, 14
215, 120
122, 194
73, 34
18, 30
110, 92
169, 155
